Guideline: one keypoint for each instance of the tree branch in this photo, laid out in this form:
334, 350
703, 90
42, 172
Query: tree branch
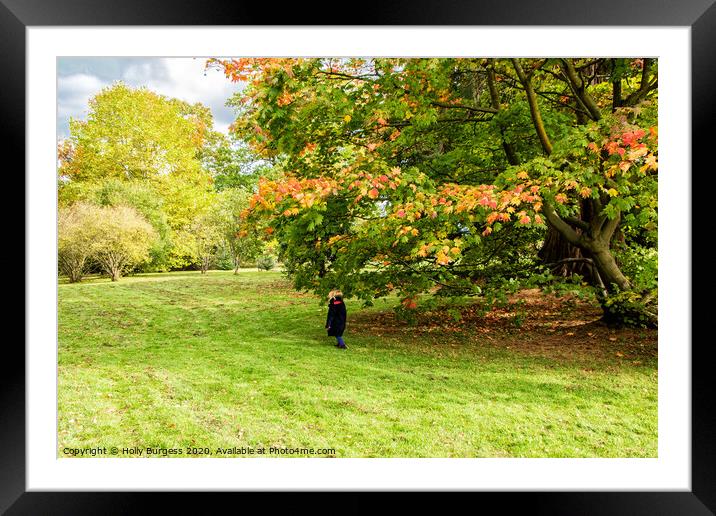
644, 87
565, 229
609, 227
495, 100
579, 223
534, 108
463, 106
580, 90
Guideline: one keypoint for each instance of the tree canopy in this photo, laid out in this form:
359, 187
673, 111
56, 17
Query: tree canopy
160, 156
414, 175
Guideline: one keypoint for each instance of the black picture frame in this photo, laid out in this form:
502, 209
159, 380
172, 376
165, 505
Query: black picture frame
700, 15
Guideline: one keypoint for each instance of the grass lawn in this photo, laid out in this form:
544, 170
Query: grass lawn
182, 360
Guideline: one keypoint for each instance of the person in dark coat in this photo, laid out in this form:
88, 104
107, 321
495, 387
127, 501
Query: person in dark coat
336, 320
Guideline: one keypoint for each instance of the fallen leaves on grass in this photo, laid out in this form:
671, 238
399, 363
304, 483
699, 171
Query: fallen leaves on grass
548, 321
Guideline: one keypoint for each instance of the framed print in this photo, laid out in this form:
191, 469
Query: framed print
173, 348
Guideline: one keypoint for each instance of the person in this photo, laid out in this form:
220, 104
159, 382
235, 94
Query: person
336, 320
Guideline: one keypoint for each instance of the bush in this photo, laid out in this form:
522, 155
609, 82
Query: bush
266, 262
124, 240
640, 265
223, 260
637, 307
632, 309
77, 229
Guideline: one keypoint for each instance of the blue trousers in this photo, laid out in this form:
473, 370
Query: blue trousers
340, 341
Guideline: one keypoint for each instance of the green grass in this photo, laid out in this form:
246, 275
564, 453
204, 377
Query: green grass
179, 360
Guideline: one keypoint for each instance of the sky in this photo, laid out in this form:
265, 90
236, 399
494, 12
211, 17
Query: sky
80, 78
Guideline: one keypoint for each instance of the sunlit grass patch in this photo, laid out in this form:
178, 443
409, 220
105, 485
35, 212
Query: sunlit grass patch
185, 360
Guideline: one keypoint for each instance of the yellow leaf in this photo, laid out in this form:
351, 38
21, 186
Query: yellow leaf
637, 153
651, 162
442, 259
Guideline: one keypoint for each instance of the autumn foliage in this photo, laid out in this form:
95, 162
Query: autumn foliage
433, 173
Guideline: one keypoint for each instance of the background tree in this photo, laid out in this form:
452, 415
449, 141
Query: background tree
241, 239
123, 241
134, 133
77, 230
232, 164
138, 195
207, 237
136, 137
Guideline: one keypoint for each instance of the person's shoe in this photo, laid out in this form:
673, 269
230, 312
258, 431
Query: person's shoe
343, 347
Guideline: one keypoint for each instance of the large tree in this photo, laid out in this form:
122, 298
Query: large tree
410, 174
141, 138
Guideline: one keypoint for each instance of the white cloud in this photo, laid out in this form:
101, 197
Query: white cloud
188, 80
222, 126
137, 73
74, 92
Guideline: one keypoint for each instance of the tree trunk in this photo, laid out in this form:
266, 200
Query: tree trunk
593, 237
556, 249
73, 267
609, 270
75, 273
